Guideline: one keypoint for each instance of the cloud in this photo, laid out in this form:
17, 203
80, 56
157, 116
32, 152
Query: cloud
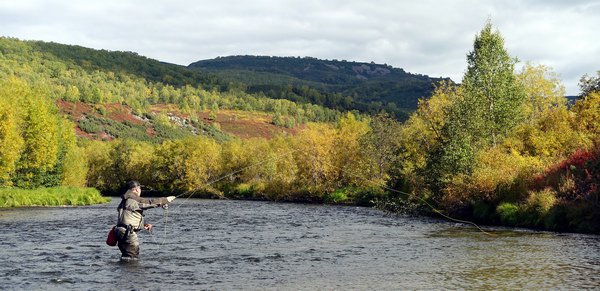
426, 37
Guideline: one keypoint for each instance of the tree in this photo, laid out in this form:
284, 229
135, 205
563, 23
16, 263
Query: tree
316, 171
543, 90
350, 163
202, 162
491, 103
285, 169
547, 131
98, 159
41, 142
129, 160
488, 107
11, 141
493, 97
589, 84
72, 93
587, 112
381, 144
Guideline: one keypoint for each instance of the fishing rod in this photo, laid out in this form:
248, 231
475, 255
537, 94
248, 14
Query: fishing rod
190, 193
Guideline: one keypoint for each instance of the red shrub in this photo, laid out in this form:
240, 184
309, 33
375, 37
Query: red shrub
582, 168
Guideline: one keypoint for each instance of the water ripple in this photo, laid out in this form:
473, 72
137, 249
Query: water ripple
223, 245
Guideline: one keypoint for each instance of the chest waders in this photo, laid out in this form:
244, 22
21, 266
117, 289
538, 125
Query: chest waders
127, 242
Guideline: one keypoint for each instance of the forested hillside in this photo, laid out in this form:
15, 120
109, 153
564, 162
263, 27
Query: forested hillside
343, 85
98, 77
126, 62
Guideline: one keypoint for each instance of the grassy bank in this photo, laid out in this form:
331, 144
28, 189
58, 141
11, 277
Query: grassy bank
55, 196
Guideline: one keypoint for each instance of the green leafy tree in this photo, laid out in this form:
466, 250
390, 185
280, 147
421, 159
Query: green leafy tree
492, 96
489, 107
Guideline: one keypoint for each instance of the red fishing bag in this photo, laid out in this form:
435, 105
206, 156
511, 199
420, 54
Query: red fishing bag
111, 239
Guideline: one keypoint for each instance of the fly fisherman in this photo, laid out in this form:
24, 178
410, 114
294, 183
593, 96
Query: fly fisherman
131, 218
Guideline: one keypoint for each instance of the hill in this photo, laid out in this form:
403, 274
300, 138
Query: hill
342, 85
126, 62
112, 94
166, 121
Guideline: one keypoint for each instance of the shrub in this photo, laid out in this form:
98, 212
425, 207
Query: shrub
499, 176
55, 196
541, 201
508, 213
365, 195
537, 206
338, 196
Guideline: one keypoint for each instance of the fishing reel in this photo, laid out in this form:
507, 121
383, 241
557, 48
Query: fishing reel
165, 206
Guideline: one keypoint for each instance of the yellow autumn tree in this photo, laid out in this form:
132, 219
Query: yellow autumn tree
72, 159
235, 158
98, 160
317, 172
202, 163
11, 142
587, 115
128, 160
351, 166
168, 166
40, 128
186, 165
281, 181
547, 130
421, 134
544, 90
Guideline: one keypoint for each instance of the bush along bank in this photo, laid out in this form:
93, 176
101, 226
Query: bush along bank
55, 196
563, 198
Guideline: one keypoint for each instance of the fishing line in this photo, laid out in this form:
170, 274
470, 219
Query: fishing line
190, 193
165, 222
411, 195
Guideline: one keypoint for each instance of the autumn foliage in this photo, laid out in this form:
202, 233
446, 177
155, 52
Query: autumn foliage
501, 148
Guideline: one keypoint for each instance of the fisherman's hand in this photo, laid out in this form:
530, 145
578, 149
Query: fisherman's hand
170, 198
148, 227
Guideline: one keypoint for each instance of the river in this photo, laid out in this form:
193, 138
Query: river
224, 245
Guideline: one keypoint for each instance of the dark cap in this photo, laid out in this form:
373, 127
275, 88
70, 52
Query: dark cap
132, 184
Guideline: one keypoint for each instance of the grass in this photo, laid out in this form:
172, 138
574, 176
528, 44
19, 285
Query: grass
55, 196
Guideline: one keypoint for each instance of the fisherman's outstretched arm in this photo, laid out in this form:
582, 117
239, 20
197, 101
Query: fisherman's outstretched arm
152, 202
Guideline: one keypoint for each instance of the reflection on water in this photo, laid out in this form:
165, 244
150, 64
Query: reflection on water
210, 244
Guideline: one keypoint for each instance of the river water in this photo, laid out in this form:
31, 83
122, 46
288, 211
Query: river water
224, 245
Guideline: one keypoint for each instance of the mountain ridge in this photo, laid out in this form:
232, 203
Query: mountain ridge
343, 85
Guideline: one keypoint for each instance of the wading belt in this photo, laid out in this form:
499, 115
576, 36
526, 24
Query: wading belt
128, 229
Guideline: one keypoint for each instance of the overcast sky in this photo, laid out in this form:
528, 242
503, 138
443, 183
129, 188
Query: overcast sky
425, 37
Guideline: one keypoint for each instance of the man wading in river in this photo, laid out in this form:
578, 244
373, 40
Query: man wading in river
131, 218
